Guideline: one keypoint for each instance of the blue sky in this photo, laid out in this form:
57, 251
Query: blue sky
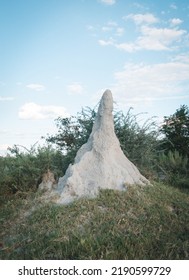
57, 56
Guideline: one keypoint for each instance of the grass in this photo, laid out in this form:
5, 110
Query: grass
149, 222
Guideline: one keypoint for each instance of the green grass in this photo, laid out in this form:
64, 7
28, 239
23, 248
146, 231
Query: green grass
149, 222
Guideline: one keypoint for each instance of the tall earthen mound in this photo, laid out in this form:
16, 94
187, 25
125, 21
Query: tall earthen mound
100, 163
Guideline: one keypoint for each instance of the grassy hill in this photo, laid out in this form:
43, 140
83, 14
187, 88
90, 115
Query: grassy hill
149, 222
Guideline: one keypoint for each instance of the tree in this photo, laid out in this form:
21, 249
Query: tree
176, 131
73, 132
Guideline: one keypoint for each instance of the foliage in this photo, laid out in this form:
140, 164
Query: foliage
175, 168
150, 222
138, 142
73, 132
174, 156
22, 169
174, 162
176, 131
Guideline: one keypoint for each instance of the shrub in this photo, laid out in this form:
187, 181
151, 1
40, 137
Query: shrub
176, 131
175, 168
21, 170
138, 142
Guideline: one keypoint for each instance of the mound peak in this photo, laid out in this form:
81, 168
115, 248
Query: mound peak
100, 163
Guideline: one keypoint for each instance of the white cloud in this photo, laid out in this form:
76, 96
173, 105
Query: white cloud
150, 38
149, 43
175, 21
114, 28
36, 87
173, 6
151, 99
119, 31
75, 88
138, 5
182, 57
142, 18
33, 111
106, 42
112, 23
106, 28
138, 83
128, 47
108, 2
153, 38
4, 132
8, 98
4, 147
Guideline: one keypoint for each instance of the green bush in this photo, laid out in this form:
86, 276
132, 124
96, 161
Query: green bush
138, 142
175, 168
21, 170
176, 131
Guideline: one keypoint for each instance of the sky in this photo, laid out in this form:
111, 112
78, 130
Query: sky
57, 56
